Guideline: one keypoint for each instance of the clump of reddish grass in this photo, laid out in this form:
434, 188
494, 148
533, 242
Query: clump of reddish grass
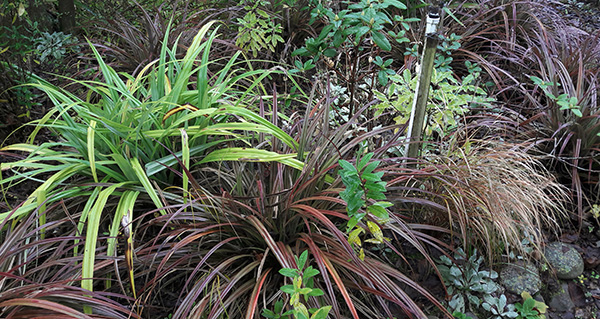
224, 252
489, 193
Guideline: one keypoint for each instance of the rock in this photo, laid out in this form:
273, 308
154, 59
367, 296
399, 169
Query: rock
560, 300
472, 315
520, 277
539, 297
564, 259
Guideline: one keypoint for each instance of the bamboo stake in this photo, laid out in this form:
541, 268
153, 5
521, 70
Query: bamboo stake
417, 115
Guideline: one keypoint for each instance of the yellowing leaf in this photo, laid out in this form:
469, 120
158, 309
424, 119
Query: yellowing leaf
353, 238
539, 306
21, 10
302, 309
297, 282
376, 231
295, 299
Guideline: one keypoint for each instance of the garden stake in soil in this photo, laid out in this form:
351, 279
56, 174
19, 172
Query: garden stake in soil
417, 115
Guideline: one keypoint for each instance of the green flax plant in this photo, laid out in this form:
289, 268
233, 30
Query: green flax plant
489, 193
115, 144
223, 253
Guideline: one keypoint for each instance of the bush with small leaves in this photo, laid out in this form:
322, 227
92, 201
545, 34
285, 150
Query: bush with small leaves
466, 283
362, 185
301, 288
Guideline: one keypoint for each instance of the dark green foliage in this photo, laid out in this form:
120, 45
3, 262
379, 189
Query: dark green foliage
344, 37
363, 184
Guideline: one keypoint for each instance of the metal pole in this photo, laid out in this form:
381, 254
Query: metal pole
417, 114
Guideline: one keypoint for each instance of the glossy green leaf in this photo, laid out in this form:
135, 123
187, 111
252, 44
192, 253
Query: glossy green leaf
381, 41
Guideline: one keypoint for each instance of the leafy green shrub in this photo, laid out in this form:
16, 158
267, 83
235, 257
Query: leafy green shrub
466, 283
52, 47
448, 45
344, 34
258, 30
17, 61
301, 288
362, 185
450, 99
